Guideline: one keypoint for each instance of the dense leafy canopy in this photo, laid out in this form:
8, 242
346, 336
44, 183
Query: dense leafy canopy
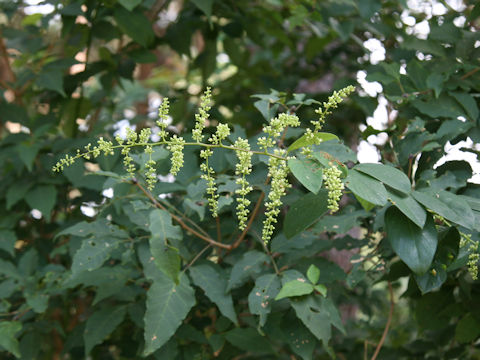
151, 273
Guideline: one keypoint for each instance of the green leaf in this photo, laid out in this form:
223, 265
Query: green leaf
468, 329
388, 175
313, 274
337, 150
249, 264
31, 19
167, 305
448, 205
328, 160
51, 80
16, 192
431, 280
7, 241
322, 289
340, 224
435, 82
444, 106
248, 339
318, 315
135, 24
294, 288
8, 329
42, 198
468, 103
161, 226
8, 269
301, 341
166, 258
414, 245
93, 253
367, 8
211, 279
100, 228
260, 298
130, 4
308, 173
304, 141
28, 153
101, 324
304, 212
409, 207
366, 187
37, 301
205, 6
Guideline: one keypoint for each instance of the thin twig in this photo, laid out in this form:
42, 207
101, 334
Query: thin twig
180, 221
250, 221
470, 73
275, 267
3, 52
184, 217
219, 231
196, 257
389, 320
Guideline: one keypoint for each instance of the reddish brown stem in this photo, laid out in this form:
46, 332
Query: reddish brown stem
219, 231
180, 221
250, 221
387, 326
470, 73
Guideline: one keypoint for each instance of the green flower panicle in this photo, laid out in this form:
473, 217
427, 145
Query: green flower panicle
242, 169
334, 185
332, 103
176, 145
162, 118
474, 256
202, 116
270, 146
208, 175
278, 171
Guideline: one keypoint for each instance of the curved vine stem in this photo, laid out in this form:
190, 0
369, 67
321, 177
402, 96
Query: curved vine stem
387, 326
180, 221
183, 216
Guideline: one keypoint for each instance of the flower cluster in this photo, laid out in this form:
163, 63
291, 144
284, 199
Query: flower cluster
277, 167
103, 146
332, 103
474, 256
162, 118
275, 129
242, 169
221, 134
202, 116
473, 260
277, 171
176, 145
334, 185
208, 175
